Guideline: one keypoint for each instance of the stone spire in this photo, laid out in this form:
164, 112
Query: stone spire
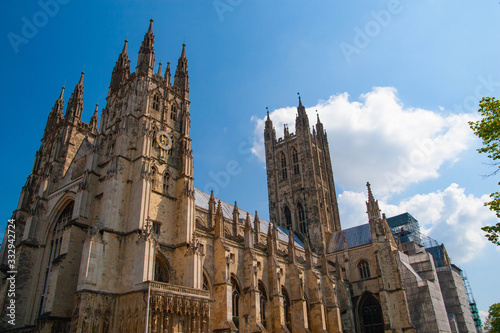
319, 129
249, 239
167, 77
121, 71
302, 120
373, 210
236, 219
181, 78
159, 69
94, 120
219, 222
75, 103
56, 114
256, 225
146, 58
269, 132
59, 105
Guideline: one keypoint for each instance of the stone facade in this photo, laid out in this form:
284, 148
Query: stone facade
113, 236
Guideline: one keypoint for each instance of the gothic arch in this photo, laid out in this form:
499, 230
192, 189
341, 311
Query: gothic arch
174, 110
56, 211
283, 166
53, 241
288, 217
370, 316
237, 302
161, 269
287, 308
301, 218
264, 307
295, 160
363, 268
154, 175
156, 101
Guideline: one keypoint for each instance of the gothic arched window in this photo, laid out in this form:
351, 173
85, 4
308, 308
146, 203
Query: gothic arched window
295, 161
166, 178
364, 269
236, 302
286, 308
162, 273
263, 304
156, 102
370, 313
302, 219
55, 239
288, 217
173, 113
153, 178
284, 174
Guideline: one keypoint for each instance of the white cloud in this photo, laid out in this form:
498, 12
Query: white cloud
377, 139
451, 217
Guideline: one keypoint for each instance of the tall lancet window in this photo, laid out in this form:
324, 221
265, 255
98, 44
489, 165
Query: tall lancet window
162, 273
236, 302
263, 304
364, 269
302, 218
54, 241
156, 102
153, 178
166, 179
284, 174
288, 217
173, 113
295, 161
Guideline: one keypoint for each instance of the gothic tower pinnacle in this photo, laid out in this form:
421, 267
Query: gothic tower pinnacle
146, 58
181, 78
122, 69
75, 103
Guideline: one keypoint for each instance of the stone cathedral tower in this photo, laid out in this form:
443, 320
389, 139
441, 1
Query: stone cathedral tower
300, 180
100, 204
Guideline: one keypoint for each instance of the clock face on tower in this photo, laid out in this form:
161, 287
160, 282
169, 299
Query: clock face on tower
164, 140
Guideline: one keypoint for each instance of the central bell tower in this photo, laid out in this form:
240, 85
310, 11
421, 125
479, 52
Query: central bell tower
300, 180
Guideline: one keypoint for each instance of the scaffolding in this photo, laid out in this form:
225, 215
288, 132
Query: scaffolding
405, 227
472, 303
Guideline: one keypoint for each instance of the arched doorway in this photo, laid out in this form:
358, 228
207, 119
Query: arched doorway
370, 315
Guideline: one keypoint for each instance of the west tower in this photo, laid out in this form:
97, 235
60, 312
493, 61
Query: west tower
300, 181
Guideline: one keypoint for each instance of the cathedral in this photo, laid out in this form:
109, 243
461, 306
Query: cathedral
112, 236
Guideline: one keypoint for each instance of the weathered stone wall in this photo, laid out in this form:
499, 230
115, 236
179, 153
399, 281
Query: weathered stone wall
455, 298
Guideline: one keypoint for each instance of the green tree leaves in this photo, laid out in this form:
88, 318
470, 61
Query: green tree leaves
492, 324
488, 130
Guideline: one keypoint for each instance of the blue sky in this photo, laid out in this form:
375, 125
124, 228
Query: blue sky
394, 82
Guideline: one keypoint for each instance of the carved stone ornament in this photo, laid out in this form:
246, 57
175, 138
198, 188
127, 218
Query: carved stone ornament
96, 227
194, 246
147, 232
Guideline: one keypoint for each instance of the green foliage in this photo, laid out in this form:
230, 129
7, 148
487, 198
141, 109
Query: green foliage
488, 130
492, 324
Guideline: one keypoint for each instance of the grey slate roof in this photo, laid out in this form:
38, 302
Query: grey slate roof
202, 199
355, 236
